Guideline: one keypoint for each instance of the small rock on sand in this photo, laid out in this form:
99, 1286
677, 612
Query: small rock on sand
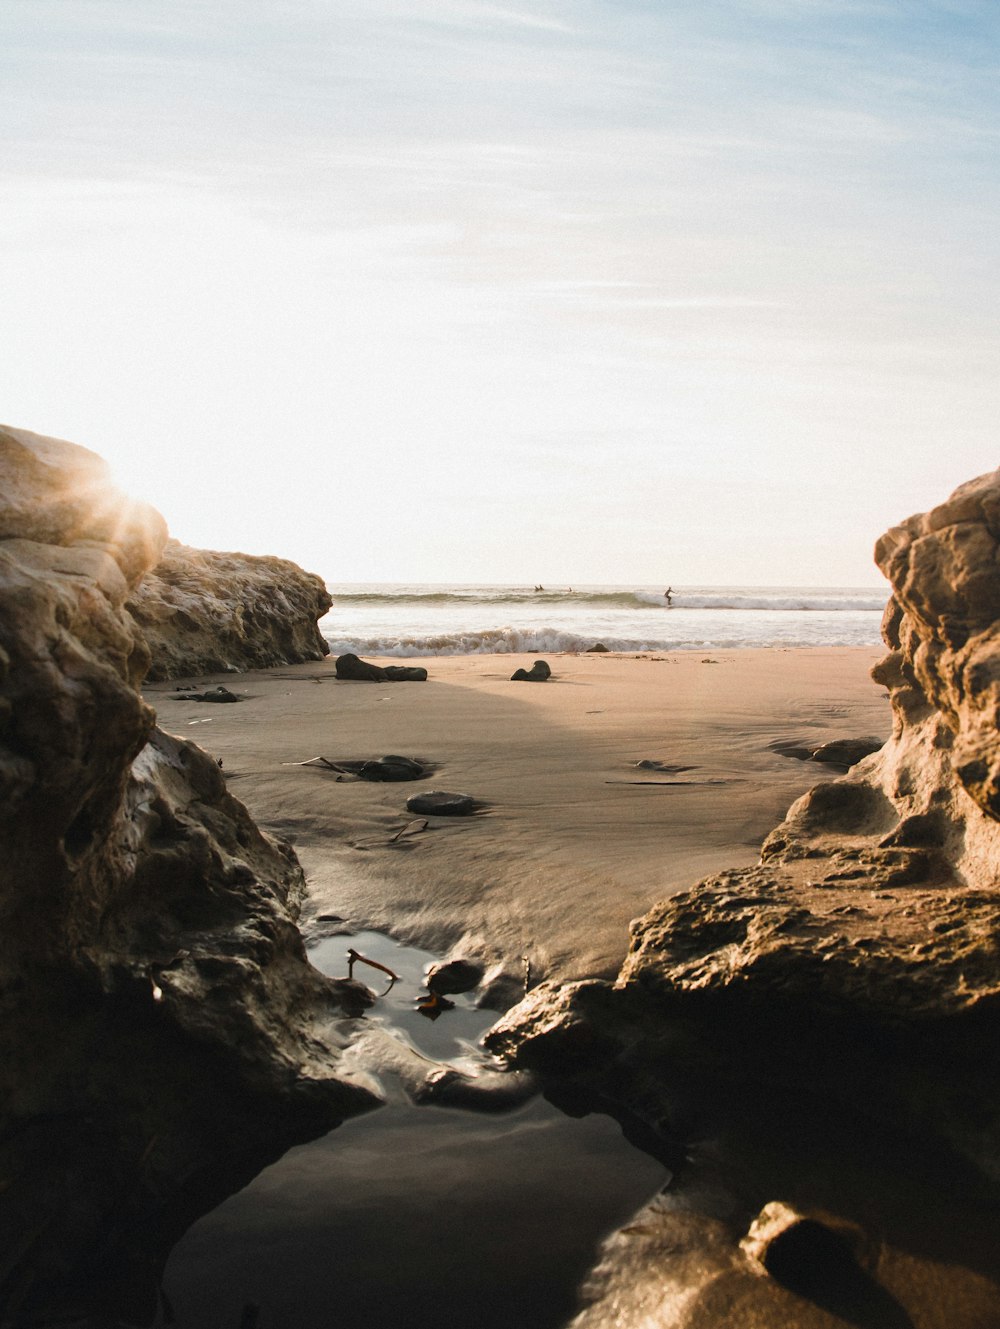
538, 673
438, 803
847, 751
454, 976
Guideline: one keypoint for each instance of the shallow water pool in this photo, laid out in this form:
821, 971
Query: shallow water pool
415, 1216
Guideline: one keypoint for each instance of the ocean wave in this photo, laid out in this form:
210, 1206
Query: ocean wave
493, 641
735, 600
513, 641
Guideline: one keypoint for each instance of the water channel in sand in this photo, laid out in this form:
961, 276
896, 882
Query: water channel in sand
414, 1216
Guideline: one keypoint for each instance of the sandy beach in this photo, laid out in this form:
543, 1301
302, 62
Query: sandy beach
573, 838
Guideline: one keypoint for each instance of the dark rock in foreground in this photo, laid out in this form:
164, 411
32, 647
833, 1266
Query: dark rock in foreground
204, 612
161, 1032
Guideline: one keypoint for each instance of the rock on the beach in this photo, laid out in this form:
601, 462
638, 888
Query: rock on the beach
160, 1026
846, 751
538, 673
405, 674
392, 768
216, 694
859, 960
438, 803
354, 669
452, 976
206, 612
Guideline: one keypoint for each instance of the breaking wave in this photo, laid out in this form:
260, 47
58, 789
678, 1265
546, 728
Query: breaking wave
514, 641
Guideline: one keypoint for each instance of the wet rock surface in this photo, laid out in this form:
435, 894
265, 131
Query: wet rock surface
204, 612
850, 977
161, 1032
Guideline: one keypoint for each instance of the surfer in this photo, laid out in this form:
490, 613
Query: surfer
668, 595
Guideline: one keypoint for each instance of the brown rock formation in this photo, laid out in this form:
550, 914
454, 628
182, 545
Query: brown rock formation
853, 977
161, 1033
203, 612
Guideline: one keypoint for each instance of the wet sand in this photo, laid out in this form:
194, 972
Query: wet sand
573, 838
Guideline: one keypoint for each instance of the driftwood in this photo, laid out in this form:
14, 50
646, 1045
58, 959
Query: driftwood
353, 957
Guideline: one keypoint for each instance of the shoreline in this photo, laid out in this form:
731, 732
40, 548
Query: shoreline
573, 839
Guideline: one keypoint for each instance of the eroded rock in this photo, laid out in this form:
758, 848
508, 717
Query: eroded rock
161, 1032
205, 612
855, 968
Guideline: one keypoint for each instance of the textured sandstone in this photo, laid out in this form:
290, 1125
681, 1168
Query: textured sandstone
161, 1031
856, 969
203, 612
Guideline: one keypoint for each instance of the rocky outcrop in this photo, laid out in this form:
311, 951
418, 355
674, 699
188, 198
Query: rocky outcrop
161, 1033
855, 973
204, 612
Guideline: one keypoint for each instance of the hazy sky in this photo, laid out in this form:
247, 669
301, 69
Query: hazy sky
574, 290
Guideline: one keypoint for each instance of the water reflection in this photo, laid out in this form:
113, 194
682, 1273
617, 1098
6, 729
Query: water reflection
416, 1216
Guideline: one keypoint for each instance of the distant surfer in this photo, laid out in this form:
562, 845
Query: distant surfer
668, 595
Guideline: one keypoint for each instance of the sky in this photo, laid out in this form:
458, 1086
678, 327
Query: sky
583, 291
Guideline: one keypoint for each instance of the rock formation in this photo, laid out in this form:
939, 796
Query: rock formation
354, 670
853, 976
161, 1031
203, 612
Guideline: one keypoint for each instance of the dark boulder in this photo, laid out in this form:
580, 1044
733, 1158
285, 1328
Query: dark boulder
437, 803
847, 751
357, 670
391, 769
454, 976
405, 674
538, 673
220, 694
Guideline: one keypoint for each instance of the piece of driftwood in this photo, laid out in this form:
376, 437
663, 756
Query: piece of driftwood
314, 761
354, 957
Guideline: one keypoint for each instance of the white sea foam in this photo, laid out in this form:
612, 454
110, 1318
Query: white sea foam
498, 641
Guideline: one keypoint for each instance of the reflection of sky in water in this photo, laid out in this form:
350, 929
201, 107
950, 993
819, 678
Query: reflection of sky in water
415, 1216
452, 1035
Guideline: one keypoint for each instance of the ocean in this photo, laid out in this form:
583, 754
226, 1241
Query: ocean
420, 620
